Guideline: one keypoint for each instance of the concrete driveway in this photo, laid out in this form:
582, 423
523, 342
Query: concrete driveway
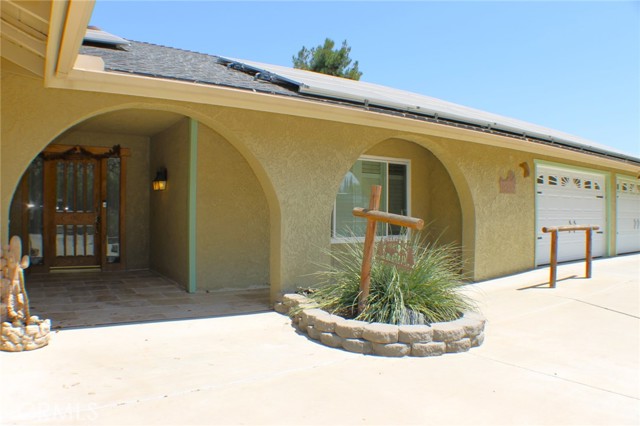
569, 355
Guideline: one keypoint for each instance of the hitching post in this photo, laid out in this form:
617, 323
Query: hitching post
553, 264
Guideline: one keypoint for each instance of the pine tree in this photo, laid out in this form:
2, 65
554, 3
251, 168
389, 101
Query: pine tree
326, 59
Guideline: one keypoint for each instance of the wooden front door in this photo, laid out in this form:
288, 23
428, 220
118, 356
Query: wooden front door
70, 208
73, 211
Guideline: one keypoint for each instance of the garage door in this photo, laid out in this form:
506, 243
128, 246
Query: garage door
569, 197
627, 215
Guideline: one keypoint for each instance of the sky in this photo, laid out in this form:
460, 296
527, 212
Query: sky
570, 66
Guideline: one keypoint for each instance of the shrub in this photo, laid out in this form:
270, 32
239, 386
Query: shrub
423, 291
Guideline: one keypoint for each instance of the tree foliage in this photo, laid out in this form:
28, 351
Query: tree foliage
327, 59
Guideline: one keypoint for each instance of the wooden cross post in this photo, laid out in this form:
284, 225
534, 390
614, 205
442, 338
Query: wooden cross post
373, 216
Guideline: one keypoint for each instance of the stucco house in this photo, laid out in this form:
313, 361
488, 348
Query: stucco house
263, 164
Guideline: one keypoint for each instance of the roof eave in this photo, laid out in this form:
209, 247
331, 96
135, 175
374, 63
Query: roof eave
67, 26
88, 75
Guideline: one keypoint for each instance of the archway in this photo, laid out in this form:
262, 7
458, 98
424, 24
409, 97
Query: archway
415, 182
233, 222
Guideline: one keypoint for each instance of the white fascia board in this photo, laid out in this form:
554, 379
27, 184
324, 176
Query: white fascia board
73, 31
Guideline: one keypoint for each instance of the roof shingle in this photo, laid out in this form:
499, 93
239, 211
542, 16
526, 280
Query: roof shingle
167, 62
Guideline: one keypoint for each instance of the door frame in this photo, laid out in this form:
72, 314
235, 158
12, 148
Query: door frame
102, 154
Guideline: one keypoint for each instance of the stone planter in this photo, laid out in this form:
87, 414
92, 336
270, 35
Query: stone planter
18, 337
383, 339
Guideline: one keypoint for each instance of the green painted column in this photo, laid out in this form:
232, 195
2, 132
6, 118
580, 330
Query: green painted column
193, 192
610, 199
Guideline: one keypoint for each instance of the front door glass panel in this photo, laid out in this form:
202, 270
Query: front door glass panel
113, 210
34, 206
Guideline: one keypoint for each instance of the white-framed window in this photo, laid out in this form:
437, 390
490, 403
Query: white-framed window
355, 190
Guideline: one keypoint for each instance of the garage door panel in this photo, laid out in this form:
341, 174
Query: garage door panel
569, 197
627, 215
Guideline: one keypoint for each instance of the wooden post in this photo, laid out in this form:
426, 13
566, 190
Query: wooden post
554, 259
390, 218
369, 239
589, 255
374, 216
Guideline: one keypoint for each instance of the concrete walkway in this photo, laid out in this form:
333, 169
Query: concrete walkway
568, 355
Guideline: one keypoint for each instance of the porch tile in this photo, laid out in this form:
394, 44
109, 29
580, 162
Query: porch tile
87, 299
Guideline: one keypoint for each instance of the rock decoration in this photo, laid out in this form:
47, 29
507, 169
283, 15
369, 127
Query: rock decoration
383, 339
19, 330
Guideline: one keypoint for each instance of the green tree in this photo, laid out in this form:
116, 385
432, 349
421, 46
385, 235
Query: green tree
327, 59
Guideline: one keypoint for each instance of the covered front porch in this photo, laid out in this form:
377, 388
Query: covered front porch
87, 299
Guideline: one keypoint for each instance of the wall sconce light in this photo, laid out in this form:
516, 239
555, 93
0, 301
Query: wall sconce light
525, 169
160, 182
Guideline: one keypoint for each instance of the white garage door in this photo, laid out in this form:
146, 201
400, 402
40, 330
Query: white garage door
627, 215
569, 197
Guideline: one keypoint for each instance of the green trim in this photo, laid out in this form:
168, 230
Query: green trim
619, 177
569, 166
610, 196
193, 192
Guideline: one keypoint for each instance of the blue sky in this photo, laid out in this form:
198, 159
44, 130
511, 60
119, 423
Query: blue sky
571, 66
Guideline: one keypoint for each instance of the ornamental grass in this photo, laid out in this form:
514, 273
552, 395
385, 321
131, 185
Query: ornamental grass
412, 282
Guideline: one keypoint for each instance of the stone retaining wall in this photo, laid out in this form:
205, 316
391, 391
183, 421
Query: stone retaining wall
384, 339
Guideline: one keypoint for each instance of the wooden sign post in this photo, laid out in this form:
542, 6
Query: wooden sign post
373, 216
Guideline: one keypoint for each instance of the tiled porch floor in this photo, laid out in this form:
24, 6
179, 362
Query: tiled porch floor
85, 299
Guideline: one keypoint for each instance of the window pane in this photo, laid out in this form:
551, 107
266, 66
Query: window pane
354, 191
91, 230
80, 240
90, 204
69, 251
80, 188
397, 193
60, 186
36, 180
70, 202
113, 210
59, 240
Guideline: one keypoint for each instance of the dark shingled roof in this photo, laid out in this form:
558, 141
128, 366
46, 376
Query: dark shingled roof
166, 62
152, 60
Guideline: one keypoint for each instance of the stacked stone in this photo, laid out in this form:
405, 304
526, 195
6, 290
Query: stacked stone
383, 339
17, 337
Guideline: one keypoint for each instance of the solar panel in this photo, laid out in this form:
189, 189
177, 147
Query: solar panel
98, 36
326, 86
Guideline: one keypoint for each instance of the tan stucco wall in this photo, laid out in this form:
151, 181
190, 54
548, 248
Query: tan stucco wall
299, 163
504, 222
232, 218
168, 222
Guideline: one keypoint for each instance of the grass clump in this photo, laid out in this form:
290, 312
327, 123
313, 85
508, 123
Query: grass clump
412, 282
